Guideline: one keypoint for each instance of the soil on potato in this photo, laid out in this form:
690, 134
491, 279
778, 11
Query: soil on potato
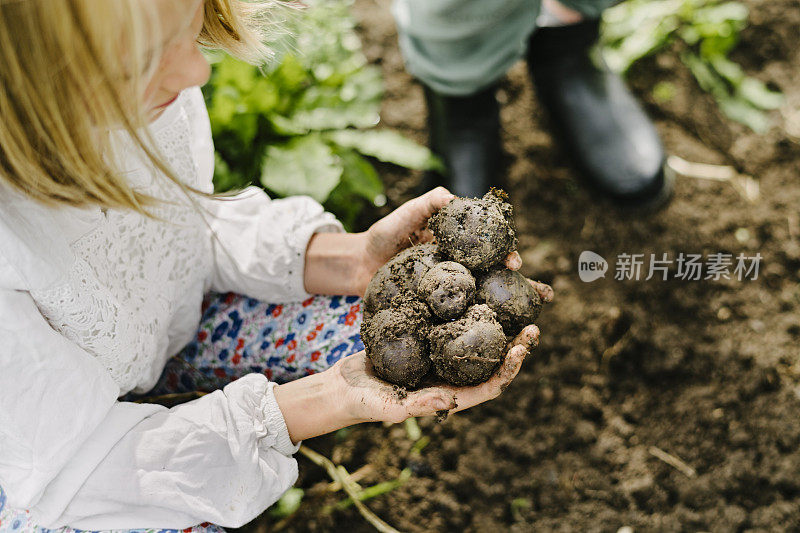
478, 233
401, 273
395, 341
448, 288
467, 351
707, 371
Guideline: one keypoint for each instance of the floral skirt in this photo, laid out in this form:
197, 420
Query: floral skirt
238, 336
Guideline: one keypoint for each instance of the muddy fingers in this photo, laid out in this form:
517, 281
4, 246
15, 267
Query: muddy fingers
528, 337
429, 402
513, 261
510, 368
545, 291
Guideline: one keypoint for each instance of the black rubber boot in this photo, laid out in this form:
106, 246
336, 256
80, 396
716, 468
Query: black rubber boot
465, 132
597, 120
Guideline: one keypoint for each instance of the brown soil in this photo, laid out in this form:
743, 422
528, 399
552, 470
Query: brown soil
707, 371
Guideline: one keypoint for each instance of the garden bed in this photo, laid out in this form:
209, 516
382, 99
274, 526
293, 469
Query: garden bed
630, 375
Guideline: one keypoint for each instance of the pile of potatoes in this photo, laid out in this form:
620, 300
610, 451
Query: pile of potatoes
448, 309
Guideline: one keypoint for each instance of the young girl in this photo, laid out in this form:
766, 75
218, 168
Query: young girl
109, 240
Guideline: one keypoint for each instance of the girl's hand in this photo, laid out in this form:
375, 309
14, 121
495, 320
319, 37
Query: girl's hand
401, 228
367, 398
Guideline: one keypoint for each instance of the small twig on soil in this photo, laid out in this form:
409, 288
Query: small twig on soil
416, 449
674, 462
348, 486
745, 185
356, 476
794, 223
614, 350
588, 227
282, 524
703, 171
377, 489
413, 430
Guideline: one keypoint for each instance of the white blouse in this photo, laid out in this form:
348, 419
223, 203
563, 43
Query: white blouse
92, 304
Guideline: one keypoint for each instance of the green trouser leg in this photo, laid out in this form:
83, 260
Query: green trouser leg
590, 9
458, 47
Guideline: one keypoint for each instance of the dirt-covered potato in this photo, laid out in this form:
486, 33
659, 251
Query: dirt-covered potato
395, 341
402, 272
448, 288
511, 296
447, 309
477, 233
468, 350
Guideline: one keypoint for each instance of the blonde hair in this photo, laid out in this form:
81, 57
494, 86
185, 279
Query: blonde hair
67, 69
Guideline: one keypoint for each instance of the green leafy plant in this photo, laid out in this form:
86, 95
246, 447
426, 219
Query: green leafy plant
707, 31
302, 125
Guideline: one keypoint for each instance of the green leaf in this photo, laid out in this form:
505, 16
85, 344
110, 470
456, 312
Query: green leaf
223, 107
664, 91
708, 80
233, 73
709, 29
346, 204
288, 503
291, 75
741, 111
726, 68
302, 166
263, 98
361, 177
355, 103
714, 45
639, 45
267, 121
245, 126
388, 146
719, 15
333, 117
286, 127
636, 29
224, 178
758, 94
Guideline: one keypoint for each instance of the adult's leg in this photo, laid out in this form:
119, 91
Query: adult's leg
600, 125
239, 335
459, 49
587, 9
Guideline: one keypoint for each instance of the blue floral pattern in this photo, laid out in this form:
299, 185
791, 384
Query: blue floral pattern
240, 335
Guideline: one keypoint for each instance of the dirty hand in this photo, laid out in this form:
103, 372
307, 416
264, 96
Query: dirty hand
403, 227
369, 399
